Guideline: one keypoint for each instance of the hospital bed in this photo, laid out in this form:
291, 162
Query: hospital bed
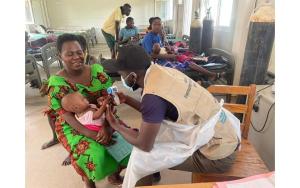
228, 67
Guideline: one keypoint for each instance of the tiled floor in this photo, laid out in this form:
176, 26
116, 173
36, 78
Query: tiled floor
43, 167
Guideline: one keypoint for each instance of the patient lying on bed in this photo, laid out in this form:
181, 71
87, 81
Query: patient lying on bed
180, 62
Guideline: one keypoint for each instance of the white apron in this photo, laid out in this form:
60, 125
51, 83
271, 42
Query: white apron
173, 145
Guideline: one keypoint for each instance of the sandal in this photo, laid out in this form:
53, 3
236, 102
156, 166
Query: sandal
219, 75
112, 179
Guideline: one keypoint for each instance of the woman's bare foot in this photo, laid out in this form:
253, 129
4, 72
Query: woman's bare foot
115, 179
50, 143
88, 183
67, 161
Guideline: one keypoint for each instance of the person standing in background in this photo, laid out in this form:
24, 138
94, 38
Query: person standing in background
111, 27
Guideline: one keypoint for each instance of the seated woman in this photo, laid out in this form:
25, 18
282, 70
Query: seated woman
89, 158
88, 59
129, 32
154, 37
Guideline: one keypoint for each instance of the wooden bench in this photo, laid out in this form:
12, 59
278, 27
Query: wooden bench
248, 162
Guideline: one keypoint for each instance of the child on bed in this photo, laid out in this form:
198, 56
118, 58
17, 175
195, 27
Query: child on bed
179, 57
181, 62
172, 62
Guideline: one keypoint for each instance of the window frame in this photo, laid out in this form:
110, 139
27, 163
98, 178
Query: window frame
170, 12
217, 25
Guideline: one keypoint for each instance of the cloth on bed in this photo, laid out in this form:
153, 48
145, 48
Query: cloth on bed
174, 64
181, 63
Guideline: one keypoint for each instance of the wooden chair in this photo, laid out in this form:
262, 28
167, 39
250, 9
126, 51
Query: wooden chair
247, 161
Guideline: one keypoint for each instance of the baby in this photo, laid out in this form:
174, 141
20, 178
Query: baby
156, 49
92, 117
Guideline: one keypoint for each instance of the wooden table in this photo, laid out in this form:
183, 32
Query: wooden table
193, 185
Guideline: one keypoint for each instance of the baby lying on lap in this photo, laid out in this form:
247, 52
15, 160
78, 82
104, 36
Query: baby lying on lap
93, 118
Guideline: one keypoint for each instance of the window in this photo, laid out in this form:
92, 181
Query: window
164, 9
28, 13
221, 11
225, 12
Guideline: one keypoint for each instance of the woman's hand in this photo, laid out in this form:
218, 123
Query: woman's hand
122, 97
113, 109
112, 120
104, 136
75, 124
104, 100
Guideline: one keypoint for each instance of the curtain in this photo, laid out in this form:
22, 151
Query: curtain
187, 16
244, 11
182, 17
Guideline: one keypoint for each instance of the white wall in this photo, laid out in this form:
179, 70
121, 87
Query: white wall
37, 12
92, 13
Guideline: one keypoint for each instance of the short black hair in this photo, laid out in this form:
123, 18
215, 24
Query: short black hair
82, 42
127, 5
154, 18
150, 22
66, 37
128, 19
